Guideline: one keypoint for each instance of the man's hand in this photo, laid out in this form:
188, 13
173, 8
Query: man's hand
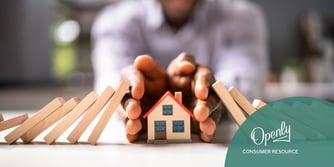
149, 81
195, 80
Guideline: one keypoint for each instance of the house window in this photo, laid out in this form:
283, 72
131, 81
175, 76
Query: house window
160, 126
178, 126
167, 109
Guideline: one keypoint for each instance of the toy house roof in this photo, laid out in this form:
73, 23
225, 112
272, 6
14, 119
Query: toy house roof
163, 98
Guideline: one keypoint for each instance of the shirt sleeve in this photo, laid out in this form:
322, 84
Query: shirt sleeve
116, 42
240, 59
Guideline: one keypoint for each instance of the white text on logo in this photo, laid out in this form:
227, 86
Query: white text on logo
282, 134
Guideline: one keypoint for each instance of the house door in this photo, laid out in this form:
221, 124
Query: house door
160, 130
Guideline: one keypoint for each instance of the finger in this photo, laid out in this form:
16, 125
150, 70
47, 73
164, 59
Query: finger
154, 75
133, 126
132, 138
180, 73
208, 127
132, 108
203, 79
201, 111
206, 138
150, 69
204, 108
184, 64
201, 87
136, 80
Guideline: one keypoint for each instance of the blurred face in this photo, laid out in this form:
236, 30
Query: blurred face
178, 11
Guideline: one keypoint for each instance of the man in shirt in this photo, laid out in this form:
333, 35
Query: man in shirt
226, 39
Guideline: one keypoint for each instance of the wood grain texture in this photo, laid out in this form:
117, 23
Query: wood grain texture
40, 115
90, 115
114, 102
13, 122
229, 103
70, 118
31, 134
242, 101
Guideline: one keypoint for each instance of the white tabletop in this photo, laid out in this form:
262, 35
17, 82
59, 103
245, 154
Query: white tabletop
112, 149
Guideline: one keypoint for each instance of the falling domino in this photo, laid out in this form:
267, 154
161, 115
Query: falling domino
31, 134
91, 114
241, 100
1, 117
227, 99
257, 103
40, 115
71, 117
114, 102
13, 122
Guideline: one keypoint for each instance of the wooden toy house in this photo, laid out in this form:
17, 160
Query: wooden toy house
168, 120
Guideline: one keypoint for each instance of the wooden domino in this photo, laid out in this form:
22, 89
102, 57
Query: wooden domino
1, 117
90, 115
28, 124
114, 102
229, 103
257, 103
13, 122
242, 101
71, 117
31, 134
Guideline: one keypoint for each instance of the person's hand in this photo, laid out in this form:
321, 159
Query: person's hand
195, 80
149, 81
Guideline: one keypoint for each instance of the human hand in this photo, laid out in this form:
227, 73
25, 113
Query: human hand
149, 81
194, 81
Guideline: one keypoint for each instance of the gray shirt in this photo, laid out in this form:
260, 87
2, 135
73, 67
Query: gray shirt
226, 35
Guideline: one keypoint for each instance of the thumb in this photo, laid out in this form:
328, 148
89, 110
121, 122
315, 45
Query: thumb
184, 64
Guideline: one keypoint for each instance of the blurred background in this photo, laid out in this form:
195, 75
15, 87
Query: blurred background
45, 49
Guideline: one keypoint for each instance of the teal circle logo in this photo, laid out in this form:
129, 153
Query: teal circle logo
296, 131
